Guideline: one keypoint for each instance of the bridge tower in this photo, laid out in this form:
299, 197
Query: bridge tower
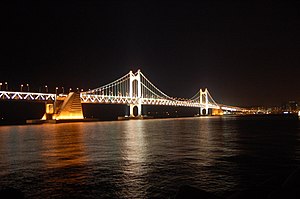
135, 91
203, 101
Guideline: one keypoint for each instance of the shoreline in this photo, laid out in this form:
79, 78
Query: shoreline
124, 118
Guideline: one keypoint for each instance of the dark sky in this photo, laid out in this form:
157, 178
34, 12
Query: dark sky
245, 52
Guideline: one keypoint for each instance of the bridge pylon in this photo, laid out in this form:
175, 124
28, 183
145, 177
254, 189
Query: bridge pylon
204, 101
135, 91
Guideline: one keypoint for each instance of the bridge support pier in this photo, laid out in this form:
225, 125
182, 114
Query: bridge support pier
49, 111
203, 111
132, 111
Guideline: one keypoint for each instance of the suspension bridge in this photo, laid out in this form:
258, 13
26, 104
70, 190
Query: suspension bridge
133, 89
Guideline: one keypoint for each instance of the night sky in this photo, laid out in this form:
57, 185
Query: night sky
247, 53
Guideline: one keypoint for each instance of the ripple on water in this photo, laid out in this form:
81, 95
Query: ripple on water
145, 158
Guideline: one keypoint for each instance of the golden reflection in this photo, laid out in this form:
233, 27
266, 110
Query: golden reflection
63, 149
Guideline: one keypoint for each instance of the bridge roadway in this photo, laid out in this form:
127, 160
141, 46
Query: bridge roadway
106, 99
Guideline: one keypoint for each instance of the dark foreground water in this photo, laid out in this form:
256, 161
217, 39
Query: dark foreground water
146, 158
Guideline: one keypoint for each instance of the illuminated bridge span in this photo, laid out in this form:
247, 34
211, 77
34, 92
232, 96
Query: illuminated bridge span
133, 89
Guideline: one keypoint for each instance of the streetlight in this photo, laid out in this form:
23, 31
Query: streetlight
6, 86
70, 90
46, 88
63, 90
21, 87
56, 90
27, 87
0, 86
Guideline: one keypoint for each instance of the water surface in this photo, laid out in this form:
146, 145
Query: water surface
146, 158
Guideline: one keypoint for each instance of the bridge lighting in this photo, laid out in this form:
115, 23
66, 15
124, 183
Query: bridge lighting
21, 87
113, 93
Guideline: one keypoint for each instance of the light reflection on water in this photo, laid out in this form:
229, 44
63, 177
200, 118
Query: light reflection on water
144, 158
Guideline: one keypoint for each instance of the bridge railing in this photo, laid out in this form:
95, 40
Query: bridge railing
10, 95
91, 98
